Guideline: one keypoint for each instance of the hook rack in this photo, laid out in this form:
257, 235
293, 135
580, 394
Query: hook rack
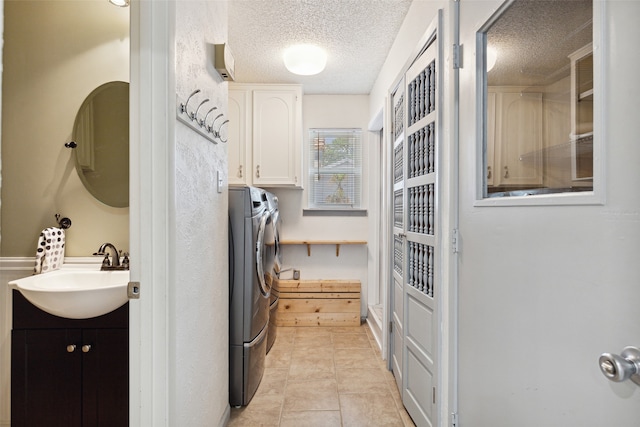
197, 122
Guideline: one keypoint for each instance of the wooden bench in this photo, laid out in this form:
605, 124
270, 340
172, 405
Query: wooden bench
318, 302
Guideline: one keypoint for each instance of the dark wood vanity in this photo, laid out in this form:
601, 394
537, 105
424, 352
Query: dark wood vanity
67, 372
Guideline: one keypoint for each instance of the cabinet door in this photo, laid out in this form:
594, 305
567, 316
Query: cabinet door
276, 137
239, 137
105, 371
519, 138
46, 385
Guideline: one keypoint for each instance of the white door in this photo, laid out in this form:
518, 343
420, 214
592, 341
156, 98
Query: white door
416, 287
544, 290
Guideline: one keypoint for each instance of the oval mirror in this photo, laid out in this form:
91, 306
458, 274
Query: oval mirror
101, 132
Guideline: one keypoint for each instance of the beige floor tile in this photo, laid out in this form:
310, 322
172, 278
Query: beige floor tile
311, 419
324, 377
316, 395
312, 331
273, 381
311, 341
361, 380
312, 353
283, 342
369, 410
351, 341
354, 357
278, 357
312, 369
263, 410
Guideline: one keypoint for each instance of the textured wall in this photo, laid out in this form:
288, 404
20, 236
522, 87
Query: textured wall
70, 48
199, 297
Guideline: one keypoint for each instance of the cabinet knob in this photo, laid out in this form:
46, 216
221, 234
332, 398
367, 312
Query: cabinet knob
488, 172
71, 348
240, 171
258, 171
86, 348
506, 171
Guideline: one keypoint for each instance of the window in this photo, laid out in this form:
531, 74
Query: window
335, 168
538, 98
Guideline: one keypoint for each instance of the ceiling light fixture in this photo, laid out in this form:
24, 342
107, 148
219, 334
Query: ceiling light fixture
119, 3
492, 57
305, 59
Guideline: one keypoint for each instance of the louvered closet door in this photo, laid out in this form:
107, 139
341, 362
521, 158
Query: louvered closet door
421, 245
399, 266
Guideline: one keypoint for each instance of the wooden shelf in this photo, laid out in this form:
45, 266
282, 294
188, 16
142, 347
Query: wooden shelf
308, 243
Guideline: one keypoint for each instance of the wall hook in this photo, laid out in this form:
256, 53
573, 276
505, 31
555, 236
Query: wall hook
202, 122
183, 107
194, 116
71, 144
210, 127
217, 134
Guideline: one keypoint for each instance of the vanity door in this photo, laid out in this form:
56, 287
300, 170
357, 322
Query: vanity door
46, 385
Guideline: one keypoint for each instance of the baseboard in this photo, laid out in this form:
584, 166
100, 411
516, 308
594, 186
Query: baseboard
375, 325
226, 416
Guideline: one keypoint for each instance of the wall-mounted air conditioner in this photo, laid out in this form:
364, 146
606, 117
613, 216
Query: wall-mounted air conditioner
224, 62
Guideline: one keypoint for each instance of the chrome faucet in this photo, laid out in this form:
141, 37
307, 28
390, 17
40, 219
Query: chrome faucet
114, 264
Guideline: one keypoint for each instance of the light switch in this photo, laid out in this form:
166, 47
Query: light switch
219, 177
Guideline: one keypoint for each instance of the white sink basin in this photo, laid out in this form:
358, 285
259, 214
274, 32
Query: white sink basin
75, 294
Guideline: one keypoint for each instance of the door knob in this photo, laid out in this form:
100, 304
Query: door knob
621, 367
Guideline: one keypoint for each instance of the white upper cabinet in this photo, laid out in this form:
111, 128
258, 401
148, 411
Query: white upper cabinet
239, 135
265, 136
517, 138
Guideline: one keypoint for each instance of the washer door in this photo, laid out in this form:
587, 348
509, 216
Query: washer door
265, 288
277, 255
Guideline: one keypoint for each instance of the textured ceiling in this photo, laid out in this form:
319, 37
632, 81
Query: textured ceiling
534, 37
357, 35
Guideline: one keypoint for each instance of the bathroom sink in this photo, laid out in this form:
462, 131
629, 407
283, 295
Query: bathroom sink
75, 294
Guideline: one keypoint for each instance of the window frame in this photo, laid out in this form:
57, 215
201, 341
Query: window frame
594, 197
356, 209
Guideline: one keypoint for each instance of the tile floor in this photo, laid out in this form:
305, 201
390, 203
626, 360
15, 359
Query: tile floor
324, 377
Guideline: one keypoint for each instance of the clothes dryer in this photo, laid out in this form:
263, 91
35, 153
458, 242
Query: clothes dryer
249, 292
273, 263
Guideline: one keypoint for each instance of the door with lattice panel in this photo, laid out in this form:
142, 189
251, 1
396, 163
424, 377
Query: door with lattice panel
414, 308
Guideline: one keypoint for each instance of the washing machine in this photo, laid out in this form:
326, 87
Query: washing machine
249, 291
273, 263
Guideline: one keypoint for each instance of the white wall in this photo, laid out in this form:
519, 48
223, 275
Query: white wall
329, 111
198, 291
69, 49
179, 326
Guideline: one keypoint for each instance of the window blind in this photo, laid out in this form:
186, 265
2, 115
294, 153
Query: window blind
335, 168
